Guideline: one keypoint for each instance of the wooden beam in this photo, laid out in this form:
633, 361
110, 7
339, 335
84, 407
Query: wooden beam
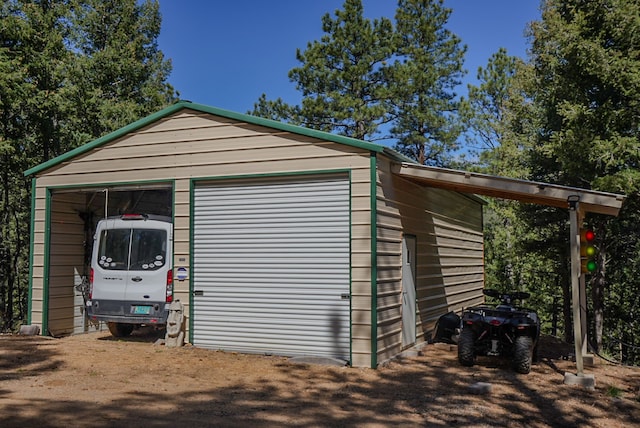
510, 188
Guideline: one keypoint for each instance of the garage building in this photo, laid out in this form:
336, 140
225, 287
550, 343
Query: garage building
287, 240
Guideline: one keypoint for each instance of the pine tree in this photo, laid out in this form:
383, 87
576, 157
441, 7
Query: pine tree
587, 69
32, 61
430, 67
497, 118
118, 73
376, 80
70, 71
342, 77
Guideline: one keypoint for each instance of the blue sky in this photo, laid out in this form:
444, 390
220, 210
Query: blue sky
227, 53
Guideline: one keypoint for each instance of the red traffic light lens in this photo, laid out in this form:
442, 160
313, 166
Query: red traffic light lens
589, 235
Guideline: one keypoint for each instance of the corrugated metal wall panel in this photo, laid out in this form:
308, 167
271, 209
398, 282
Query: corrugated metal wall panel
66, 255
272, 263
450, 271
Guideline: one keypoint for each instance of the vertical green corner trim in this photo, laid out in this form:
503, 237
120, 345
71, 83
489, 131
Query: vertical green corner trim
191, 236
31, 245
45, 268
351, 267
173, 238
373, 169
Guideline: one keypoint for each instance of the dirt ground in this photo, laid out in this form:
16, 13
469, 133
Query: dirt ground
95, 380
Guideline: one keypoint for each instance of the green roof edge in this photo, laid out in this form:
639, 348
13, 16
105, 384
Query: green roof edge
148, 120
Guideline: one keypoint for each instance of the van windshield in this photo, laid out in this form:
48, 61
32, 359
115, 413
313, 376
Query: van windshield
132, 249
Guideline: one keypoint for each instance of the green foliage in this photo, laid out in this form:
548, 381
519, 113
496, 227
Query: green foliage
70, 71
499, 117
568, 116
342, 79
586, 87
374, 80
614, 392
118, 74
622, 293
277, 110
431, 66
588, 80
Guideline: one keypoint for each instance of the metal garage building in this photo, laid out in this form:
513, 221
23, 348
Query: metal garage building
295, 241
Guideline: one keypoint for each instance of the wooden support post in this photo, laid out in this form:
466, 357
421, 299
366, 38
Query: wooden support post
574, 229
575, 216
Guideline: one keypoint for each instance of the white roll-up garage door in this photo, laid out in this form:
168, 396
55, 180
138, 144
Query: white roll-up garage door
272, 267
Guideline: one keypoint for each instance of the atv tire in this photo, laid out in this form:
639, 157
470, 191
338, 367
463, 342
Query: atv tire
522, 354
466, 353
119, 329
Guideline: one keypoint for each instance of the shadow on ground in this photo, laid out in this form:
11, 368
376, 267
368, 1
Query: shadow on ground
416, 392
23, 356
147, 333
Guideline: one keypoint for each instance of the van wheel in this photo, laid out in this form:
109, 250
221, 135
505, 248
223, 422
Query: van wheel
120, 330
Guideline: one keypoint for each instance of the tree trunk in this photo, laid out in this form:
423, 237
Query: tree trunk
6, 291
597, 296
566, 310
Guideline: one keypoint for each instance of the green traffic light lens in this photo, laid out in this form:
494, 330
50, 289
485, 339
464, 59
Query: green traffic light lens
591, 266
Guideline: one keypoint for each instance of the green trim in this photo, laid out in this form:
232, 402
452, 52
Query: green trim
79, 187
373, 169
272, 175
173, 241
350, 268
49, 194
191, 247
397, 156
45, 270
31, 246
146, 121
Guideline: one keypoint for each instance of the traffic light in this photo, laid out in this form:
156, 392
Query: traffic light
587, 251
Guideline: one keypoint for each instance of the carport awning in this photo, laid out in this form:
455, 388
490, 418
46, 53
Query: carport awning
511, 188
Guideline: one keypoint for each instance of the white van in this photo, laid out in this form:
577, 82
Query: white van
131, 277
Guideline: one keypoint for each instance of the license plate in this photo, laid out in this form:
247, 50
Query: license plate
142, 310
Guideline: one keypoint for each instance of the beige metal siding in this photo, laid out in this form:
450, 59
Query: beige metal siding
66, 254
191, 145
37, 256
450, 267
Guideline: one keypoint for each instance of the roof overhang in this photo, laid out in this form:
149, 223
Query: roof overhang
511, 188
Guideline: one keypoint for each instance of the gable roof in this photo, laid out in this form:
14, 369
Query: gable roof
254, 120
455, 180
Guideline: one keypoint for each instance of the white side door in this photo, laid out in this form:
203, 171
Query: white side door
408, 290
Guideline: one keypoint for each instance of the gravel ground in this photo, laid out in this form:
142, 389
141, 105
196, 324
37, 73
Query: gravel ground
94, 380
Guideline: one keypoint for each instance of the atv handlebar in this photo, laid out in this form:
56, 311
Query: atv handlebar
506, 297
491, 292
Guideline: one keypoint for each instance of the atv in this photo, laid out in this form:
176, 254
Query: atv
503, 330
